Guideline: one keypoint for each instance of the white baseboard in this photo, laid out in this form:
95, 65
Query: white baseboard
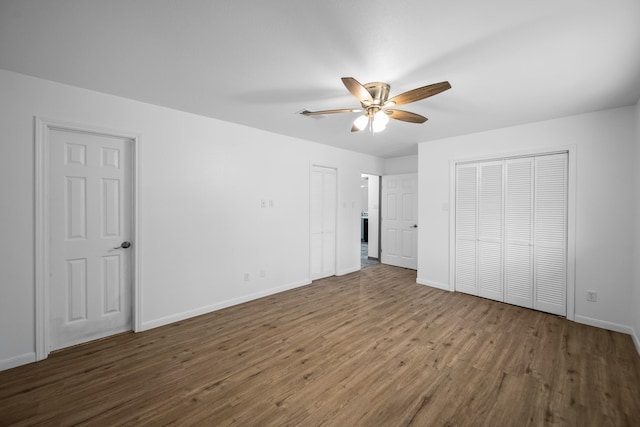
218, 306
433, 284
610, 326
15, 361
604, 325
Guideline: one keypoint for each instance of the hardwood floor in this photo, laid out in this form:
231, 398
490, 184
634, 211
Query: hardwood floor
372, 348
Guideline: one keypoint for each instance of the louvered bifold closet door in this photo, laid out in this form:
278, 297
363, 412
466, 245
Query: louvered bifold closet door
490, 227
466, 229
550, 234
518, 250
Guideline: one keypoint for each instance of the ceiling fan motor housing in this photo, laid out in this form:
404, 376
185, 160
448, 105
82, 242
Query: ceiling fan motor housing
379, 92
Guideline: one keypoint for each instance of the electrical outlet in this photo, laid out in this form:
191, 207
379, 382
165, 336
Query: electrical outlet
263, 273
592, 296
246, 277
263, 203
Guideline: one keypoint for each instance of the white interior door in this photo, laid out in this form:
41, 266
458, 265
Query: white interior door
323, 195
399, 236
90, 205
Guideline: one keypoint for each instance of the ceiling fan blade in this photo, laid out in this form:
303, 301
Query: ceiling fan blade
357, 90
406, 116
344, 110
419, 93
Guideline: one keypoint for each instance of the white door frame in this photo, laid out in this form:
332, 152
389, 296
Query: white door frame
43, 127
571, 151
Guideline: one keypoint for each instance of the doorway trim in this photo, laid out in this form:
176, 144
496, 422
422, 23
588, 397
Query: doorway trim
43, 127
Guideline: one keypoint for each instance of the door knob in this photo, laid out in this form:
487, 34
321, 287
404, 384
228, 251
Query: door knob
414, 226
123, 245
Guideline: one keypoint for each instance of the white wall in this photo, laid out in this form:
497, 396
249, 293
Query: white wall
202, 226
635, 300
605, 202
400, 165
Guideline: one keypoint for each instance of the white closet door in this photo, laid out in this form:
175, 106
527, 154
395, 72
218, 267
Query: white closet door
490, 230
550, 234
323, 206
329, 207
466, 228
511, 231
316, 198
518, 251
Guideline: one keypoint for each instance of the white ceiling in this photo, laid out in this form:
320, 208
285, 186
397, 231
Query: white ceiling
258, 62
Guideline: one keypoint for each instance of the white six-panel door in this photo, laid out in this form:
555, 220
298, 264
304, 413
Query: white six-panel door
511, 231
90, 205
399, 238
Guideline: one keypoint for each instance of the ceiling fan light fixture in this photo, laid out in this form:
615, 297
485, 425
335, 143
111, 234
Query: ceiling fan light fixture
380, 121
382, 117
361, 122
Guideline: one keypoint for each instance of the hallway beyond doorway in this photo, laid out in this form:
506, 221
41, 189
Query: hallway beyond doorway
365, 261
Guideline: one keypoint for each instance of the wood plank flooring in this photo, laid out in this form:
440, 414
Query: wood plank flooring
371, 348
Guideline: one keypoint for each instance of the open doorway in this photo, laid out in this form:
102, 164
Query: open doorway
369, 220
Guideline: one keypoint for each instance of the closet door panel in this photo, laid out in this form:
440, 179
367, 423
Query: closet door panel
490, 202
550, 280
519, 232
466, 229
490, 270
550, 234
466, 267
518, 275
490, 226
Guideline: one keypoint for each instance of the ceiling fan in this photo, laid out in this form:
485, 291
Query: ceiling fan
377, 107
